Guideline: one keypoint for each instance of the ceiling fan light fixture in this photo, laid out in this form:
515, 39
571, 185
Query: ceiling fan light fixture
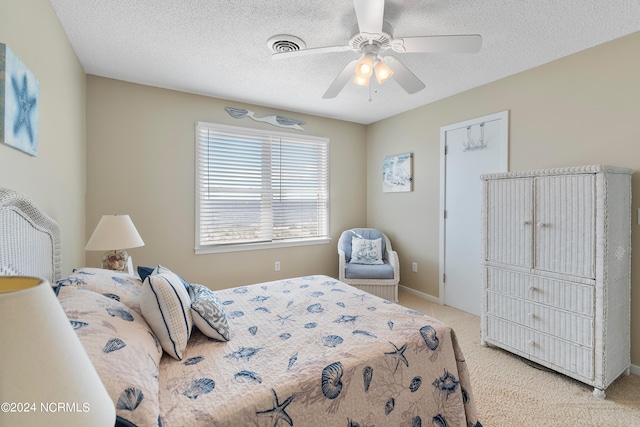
361, 80
383, 71
365, 67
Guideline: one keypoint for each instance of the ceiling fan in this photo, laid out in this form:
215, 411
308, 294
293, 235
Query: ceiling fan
374, 37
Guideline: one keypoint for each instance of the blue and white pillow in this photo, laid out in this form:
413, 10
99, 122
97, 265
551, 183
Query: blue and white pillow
366, 251
165, 304
208, 313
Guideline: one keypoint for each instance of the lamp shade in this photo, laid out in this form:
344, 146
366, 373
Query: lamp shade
114, 232
46, 377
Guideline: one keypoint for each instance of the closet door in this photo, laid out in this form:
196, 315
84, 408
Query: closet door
565, 224
510, 221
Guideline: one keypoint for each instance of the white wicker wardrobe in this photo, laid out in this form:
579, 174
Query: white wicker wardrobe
556, 269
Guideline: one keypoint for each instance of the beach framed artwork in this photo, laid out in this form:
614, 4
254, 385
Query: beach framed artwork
19, 103
397, 173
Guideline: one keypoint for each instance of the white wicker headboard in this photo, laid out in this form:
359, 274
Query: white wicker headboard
29, 238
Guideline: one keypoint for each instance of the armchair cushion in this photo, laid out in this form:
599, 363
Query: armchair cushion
368, 271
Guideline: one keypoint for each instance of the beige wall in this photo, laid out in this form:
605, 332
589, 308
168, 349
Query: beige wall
55, 178
580, 110
140, 161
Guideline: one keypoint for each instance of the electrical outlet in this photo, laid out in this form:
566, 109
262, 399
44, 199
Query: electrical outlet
277, 266
414, 267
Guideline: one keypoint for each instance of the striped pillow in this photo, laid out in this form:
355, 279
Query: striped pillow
165, 305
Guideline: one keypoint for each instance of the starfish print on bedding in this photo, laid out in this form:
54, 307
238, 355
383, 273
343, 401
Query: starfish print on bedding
399, 355
278, 411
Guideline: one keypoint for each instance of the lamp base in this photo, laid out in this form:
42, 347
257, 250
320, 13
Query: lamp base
115, 260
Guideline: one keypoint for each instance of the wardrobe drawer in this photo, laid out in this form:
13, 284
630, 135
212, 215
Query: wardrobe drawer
545, 349
569, 296
563, 324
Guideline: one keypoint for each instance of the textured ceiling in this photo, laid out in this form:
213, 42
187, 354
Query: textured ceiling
219, 48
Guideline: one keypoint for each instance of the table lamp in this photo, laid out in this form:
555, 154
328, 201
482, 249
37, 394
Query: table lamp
113, 234
46, 377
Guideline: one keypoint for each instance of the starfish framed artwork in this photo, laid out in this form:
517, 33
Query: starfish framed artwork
19, 103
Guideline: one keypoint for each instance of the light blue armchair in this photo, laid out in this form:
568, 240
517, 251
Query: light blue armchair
372, 266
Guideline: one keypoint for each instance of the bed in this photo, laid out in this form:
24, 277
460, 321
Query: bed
303, 351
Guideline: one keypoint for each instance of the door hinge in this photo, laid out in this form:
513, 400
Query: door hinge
445, 214
444, 278
446, 150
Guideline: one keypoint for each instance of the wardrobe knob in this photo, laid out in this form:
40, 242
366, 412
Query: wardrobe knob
541, 225
527, 222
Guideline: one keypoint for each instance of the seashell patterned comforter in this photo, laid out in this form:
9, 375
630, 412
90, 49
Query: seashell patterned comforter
313, 351
309, 351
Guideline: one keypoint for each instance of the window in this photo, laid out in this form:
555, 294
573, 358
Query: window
257, 189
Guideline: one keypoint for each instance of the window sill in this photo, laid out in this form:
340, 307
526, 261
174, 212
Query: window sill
259, 246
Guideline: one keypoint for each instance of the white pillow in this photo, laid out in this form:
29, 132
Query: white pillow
165, 305
365, 251
208, 313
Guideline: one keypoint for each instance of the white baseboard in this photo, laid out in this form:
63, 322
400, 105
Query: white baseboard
635, 369
420, 294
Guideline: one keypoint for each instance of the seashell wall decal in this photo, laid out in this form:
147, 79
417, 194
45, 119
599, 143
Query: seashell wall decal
415, 384
332, 380
193, 360
198, 387
388, 407
367, 375
332, 341
429, 336
112, 345
130, 399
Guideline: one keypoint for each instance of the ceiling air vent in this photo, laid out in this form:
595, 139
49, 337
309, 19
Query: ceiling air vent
285, 43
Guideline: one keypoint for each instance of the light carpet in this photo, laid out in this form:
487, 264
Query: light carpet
510, 392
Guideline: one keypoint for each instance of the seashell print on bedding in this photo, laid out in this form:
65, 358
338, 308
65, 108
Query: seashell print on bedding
285, 336
430, 337
447, 383
193, 360
416, 421
248, 375
112, 296
439, 421
315, 308
389, 406
292, 360
367, 376
199, 387
332, 380
130, 399
415, 384
121, 313
364, 333
253, 330
243, 353
77, 325
114, 344
331, 341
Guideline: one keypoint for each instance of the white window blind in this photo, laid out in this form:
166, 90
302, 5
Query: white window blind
256, 187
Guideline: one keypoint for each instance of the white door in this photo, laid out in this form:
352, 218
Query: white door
473, 147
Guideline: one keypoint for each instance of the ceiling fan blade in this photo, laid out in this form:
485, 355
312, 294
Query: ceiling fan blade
470, 43
345, 75
311, 51
370, 14
405, 78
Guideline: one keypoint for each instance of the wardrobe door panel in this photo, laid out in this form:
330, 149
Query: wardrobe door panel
565, 224
510, 221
